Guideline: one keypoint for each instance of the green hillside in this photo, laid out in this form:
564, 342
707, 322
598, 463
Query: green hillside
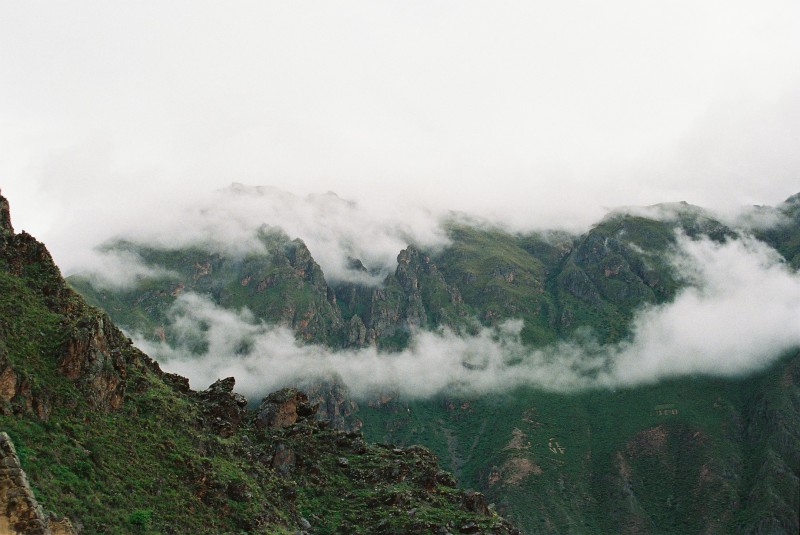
116, 445
686, 455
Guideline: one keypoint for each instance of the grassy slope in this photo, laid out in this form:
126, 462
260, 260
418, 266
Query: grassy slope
154, 465
625, 468
688, 471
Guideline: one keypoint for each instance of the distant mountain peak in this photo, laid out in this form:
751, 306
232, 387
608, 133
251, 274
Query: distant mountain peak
794, 199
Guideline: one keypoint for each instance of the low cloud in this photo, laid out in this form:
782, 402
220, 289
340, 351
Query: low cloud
739, 313
118, 269
334, 229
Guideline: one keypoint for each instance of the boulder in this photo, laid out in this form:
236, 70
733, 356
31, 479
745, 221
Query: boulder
284, 408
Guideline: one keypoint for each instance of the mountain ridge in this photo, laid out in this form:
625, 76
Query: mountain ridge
111, 441
686, 454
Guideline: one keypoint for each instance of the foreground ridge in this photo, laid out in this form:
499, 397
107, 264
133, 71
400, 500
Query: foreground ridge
114, 444
686, 453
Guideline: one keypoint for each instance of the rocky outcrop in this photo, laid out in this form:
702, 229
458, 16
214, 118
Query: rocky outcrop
17, 395
20, 513
357, 332
92, 351
91, 359
416, 295
8, 380
335, 404
222, 409
5, 217
284, 408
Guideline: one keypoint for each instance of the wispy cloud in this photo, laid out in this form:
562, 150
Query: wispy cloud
119, 269
740, 311
530, 114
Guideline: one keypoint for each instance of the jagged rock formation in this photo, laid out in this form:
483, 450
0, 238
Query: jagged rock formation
688, 455
223, 409
20, 513
118, 446
5, 216
284, 408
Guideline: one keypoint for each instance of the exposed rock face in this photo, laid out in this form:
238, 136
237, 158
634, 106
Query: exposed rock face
90, 359
92, 351
415, 295
9, 383
8, 380
16, 394
284, 408
5, 217
335, 405
19, 511
357, 333
223, 409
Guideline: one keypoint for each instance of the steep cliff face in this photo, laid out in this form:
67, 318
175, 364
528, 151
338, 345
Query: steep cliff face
71, 340
785, 234
688, 455
415, 296
282, 285
109, 440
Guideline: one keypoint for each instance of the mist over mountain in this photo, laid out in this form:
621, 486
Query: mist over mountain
690, 295
549, 241
96, 438
636, 376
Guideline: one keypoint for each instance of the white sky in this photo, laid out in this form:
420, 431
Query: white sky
537, 113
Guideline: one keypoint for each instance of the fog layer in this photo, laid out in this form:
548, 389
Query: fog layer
740, 311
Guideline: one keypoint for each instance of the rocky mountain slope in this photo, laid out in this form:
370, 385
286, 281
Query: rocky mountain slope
685, 455
112, 444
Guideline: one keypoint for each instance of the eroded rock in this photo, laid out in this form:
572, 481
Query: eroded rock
223, 409
284, 408
20, 513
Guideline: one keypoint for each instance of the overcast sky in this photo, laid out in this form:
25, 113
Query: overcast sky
533, 112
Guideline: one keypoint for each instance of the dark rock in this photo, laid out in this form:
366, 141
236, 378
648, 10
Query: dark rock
284, 459
284, 408
91, 359
5, 217
445, 479
357, 332
335, 405
475, 502
179, 383
223, 408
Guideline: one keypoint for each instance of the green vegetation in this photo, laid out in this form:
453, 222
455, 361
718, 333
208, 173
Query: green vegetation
687, 455
682, 470
109, 440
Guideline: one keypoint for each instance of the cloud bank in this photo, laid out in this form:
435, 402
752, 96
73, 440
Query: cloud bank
229, 221
739, 312
532, 114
